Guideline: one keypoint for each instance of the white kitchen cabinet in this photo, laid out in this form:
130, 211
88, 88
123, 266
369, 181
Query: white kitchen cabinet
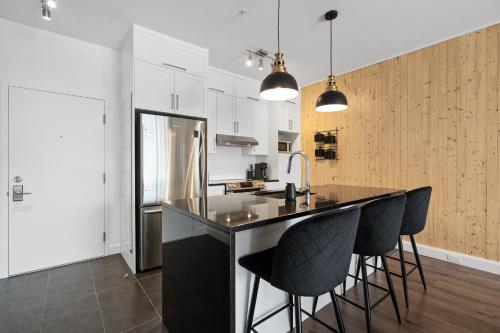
163, 50
288, 117
154, 86
260, 129
246, 88
189, 95
225, 115
213, 191
221, 82
212, 123
159, 88
243, 117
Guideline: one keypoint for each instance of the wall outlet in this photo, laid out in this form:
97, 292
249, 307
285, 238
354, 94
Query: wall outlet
454, 259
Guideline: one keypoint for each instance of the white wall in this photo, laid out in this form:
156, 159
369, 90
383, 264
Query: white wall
228, 163
35, 58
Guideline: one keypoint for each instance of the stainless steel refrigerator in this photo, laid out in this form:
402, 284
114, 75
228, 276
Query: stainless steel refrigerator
171, 163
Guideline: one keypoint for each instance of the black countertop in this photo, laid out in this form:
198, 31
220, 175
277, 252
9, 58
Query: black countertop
242, 211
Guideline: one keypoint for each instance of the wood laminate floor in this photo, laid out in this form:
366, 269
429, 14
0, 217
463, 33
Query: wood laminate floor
458, 299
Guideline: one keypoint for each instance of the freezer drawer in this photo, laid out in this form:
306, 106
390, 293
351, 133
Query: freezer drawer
150, 238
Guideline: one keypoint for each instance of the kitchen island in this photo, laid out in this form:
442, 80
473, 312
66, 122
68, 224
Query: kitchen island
204, 288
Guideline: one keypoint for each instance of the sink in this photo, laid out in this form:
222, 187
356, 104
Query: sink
277, 194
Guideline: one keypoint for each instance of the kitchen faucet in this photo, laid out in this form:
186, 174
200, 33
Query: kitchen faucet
307, 188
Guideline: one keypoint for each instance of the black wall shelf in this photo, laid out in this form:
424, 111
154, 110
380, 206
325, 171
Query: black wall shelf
326, 145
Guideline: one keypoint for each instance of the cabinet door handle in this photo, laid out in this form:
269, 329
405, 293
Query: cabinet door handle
215, 144
172, 102
237, 127
291, 123
234, 127
252, 98
217, 90
174, 66
177, 102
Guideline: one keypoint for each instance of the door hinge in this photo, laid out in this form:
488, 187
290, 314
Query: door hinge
104, 236
104, 177
104, 119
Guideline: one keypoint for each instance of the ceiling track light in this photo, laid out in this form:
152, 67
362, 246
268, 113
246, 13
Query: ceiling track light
332, 99
261, 64
46, 15
249, 61
279, 85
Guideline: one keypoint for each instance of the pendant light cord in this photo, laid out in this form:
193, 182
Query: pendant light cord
279, 5
331, 48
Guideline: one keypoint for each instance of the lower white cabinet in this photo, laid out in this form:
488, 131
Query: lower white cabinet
159, 88
213, 191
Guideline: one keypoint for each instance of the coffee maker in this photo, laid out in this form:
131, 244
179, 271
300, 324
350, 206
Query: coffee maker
260, 171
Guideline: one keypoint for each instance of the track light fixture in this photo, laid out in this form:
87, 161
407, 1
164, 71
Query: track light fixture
46, 15
52, 4
261, 55
261, 64
332, 99
249, 61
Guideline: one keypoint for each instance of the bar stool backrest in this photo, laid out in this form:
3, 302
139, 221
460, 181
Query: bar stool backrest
379, 225
314, 255
417, 205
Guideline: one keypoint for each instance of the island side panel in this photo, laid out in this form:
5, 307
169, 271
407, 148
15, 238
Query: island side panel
196, 275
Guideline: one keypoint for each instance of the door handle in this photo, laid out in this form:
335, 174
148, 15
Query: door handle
18, 193
177, 102
172, 101
237, 127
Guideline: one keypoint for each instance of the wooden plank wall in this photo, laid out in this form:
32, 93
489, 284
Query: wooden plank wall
429, 117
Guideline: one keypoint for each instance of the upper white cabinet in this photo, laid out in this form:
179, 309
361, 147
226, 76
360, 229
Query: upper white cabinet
243, 117
163, 50
221, 82
260, 129
159, 88
225, 115
190, 92
247, 89
154, 87
212, 123
288, 117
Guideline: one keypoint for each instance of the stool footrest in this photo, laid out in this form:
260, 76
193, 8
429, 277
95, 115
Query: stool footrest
272, 314
322, 323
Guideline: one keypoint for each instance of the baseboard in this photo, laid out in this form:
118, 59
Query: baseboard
113, 249
457, 258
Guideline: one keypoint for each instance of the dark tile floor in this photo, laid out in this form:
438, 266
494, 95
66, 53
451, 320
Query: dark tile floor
101, 295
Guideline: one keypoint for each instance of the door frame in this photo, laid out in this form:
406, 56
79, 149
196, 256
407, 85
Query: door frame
5, 139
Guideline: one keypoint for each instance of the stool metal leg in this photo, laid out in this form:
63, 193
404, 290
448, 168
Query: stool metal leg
253, 301
403, 268
391, 287
315, 305
290, 311
417, 258
338, 315
298, 314
376, 263
344, 287
366, 294
358, 267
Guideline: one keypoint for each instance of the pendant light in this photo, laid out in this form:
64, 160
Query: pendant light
279, 85
332, 99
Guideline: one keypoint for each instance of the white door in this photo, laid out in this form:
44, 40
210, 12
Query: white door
211, 122
260, 127
56, 153
225, 115
283, 117
243, 117
189, 95
293, 117
154, 87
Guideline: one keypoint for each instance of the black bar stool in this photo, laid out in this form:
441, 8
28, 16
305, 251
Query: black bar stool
378, 232
311, 259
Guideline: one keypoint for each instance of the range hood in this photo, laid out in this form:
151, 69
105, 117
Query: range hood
236, 141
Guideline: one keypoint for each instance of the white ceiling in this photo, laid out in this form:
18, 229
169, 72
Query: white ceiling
367, 31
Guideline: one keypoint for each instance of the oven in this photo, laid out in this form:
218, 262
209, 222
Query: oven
251, 186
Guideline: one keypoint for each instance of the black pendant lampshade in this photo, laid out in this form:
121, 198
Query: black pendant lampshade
279, 85
332, 99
